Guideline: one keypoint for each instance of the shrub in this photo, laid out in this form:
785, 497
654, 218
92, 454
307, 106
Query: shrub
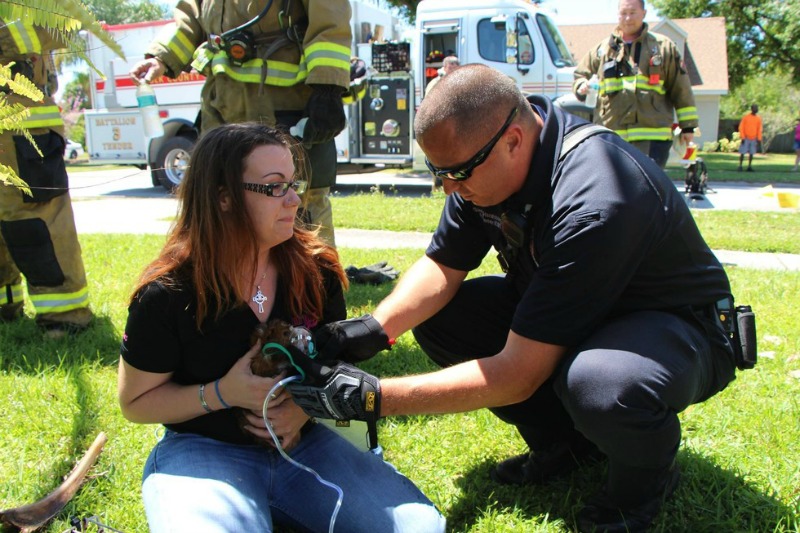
730, 145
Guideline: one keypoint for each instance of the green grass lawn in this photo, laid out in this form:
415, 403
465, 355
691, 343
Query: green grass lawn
754, 231
723, 167
740, 458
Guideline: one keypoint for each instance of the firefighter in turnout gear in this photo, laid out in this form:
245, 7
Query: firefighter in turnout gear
642, 80
271, 61
37, 233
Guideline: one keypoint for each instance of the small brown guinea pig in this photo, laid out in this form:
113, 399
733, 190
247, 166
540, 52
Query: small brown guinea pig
274, 361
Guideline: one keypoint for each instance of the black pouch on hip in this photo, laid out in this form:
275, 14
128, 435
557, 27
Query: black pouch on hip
45, 174
739, 324
747, 350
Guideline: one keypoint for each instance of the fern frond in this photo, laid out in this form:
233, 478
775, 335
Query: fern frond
25, 87
12, 117
11, 179
77, 45
67, 17
44, 13
5, 74
19, 84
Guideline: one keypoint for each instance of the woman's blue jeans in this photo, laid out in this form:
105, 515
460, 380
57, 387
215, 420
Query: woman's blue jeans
194, 483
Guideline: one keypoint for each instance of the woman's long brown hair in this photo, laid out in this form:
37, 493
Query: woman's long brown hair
213, 246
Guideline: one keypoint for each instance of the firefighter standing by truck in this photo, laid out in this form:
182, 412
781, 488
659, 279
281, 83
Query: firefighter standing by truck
642, 79
271, 61
38, 238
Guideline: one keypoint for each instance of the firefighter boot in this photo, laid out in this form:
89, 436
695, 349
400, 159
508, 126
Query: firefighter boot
10, 312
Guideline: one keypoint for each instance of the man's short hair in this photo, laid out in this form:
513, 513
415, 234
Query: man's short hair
475, 94
641, 2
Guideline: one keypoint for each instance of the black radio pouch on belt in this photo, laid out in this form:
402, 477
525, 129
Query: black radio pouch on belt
46, 176
739, 324
746, 336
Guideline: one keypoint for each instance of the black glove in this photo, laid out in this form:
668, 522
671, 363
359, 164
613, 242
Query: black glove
340, 392
353, 340
372, 274
325, 114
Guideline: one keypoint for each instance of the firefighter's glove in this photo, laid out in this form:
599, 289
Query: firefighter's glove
340, 391
352, 340
372, 274
325, 114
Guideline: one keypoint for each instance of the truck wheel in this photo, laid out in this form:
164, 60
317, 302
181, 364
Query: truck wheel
73, 154
172, 162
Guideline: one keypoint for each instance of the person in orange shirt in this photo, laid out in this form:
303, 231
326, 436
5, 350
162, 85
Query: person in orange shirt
750, 129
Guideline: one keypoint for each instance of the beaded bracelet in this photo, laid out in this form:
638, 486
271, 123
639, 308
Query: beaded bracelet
203, 399
216, 388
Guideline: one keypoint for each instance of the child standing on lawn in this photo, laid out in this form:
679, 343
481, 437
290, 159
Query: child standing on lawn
750, 131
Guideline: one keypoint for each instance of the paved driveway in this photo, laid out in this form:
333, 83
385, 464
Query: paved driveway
125, 201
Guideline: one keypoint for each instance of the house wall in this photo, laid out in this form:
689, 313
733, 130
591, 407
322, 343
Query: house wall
708, 112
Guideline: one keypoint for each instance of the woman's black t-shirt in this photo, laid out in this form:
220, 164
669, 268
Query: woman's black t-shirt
161, 336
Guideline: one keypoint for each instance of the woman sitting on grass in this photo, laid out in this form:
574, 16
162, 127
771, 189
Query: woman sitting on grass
235, 258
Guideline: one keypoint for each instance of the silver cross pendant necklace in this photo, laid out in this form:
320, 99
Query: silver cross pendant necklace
259, 297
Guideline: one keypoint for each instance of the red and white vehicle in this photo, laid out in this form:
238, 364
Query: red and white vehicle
115, 133
514, 36
114, 129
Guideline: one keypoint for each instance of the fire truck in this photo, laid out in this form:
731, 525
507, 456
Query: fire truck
516, 37
513, 36
377, 135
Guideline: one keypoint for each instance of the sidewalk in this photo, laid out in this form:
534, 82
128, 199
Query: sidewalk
154, 216
125, 201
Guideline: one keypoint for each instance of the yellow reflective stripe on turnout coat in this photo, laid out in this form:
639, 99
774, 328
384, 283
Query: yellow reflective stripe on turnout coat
29, 47
323, 56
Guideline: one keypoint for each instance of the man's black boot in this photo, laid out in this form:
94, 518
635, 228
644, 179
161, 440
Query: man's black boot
540, 466
635, 509
10, 312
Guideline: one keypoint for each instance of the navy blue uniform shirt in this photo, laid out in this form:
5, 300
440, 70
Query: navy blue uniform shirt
607, 233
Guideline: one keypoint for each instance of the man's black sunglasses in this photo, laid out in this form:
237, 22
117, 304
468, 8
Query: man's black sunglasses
277, 189
465, 171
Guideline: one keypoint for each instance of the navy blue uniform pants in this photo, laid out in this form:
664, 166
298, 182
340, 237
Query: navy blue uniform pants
622, 387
